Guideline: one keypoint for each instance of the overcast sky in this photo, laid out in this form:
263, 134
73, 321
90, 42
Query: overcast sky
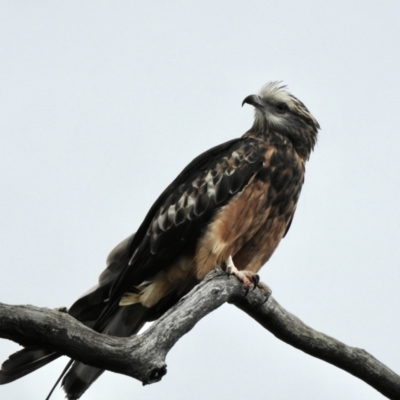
103, 103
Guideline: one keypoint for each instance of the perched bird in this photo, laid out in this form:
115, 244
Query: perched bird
231, 206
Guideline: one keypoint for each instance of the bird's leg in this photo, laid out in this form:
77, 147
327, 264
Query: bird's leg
247, 277
244, 276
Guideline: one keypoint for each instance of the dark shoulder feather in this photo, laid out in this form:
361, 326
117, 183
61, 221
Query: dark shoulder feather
178, 217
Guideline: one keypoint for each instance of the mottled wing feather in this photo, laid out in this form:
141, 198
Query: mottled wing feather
179, 216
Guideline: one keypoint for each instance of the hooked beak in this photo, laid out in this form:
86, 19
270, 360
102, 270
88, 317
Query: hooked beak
254, 100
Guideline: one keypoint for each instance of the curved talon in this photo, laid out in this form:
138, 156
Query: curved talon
256, 280
247, 277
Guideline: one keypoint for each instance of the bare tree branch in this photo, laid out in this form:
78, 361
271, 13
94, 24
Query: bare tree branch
143, 356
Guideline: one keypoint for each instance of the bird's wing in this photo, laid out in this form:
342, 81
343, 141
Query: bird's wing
90, 305
179, 216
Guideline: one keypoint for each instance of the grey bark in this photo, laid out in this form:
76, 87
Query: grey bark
143, 357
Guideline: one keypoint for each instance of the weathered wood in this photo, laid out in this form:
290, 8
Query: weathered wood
143, 356
290, 329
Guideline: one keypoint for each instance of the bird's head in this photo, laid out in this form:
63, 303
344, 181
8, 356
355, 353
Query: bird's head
276, 110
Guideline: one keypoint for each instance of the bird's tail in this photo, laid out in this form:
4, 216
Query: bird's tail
88, 309
24, 362
127, 321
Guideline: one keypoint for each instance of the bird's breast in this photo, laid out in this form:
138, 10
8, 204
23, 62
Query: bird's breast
251, 225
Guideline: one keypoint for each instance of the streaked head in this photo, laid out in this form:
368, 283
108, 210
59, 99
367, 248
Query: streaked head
278, 110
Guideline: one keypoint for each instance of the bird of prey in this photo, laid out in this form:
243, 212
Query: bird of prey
231, 206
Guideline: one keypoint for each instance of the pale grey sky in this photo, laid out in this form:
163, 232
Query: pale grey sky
103, 103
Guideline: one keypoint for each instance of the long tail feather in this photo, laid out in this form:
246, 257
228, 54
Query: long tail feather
126, 322
24, 362
65, 370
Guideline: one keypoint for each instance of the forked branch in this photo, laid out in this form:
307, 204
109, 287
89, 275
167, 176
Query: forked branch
143, 356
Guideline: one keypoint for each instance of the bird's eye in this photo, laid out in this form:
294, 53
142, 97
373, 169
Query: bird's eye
281, 108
